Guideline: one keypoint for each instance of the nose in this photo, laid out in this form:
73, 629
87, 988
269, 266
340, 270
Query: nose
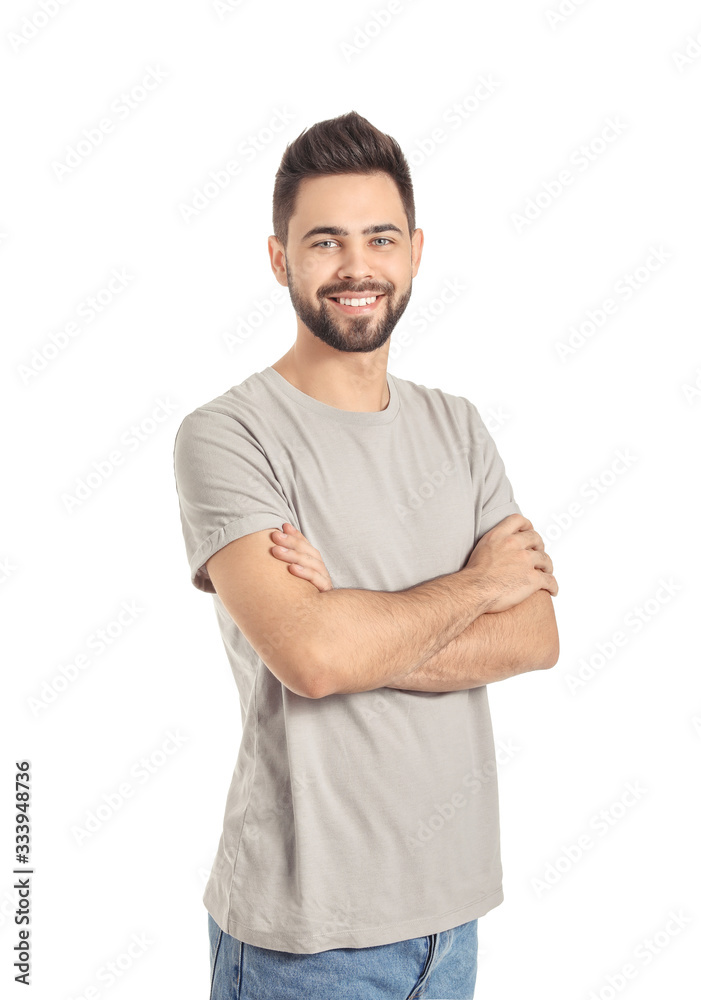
355, 265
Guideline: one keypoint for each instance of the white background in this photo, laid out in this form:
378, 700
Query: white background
170, 333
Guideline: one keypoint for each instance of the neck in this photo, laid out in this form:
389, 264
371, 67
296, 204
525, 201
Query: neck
346, 381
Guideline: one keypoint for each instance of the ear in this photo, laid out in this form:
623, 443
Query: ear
277, 260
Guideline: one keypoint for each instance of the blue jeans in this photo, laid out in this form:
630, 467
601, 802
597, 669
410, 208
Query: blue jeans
441, 966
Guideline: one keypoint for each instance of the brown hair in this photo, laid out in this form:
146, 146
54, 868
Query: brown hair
348, 144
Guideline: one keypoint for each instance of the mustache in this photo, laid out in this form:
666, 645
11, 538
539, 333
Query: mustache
354, 291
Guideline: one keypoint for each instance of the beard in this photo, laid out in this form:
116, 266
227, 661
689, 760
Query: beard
362, 333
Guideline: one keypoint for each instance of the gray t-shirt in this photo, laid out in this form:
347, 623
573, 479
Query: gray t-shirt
357, 819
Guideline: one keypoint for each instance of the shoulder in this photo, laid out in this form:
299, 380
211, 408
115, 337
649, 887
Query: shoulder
233, 411
453, 416
434, 399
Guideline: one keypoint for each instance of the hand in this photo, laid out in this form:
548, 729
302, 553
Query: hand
510, 563
304, 560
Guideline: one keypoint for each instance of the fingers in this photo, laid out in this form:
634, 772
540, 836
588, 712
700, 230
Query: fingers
298, 557
304, 560
544, 562
513, 522
531, 539
316, 577
294, 540
299, 546
305, 566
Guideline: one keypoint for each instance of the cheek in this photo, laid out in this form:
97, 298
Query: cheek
311, 271
398, 276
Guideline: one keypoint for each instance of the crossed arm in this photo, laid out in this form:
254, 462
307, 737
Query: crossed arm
493, 647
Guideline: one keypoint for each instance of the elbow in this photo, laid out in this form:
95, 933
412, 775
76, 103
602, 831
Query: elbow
549, 639
317, 682
299, 671
309, 654
316, 688
290, 652
550, 655
311, 664
298, 657
313, 684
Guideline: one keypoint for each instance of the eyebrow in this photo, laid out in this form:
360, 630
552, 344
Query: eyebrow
384, 227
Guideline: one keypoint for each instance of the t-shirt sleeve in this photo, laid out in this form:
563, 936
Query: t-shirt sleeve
226, 487
494, 492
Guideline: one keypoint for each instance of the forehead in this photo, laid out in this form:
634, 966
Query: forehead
351, 200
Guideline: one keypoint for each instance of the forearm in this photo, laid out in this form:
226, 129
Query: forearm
492, 648
365, 638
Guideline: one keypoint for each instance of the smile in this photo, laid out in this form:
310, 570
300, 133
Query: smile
370, 303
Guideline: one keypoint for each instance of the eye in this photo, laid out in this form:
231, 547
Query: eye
324, 243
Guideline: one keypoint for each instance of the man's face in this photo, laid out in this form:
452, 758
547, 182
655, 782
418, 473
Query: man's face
348, 238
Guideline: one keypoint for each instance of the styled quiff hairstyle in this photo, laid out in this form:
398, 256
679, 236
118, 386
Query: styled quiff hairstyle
348, 144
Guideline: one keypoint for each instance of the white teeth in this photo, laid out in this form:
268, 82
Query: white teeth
358, 302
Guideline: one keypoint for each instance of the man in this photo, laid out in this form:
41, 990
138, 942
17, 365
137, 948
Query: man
361, 832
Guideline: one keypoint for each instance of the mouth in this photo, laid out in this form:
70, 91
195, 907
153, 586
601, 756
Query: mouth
371, 303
